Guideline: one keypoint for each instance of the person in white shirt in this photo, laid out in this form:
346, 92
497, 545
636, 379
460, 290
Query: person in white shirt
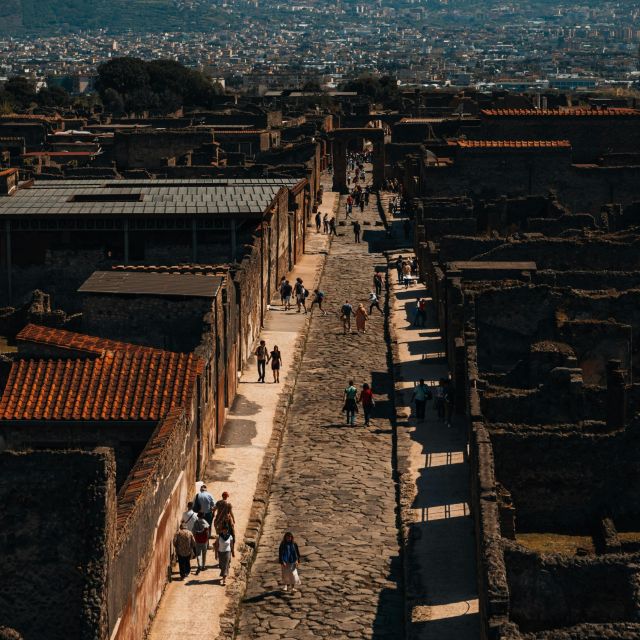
374, 303
189, 517
224, 550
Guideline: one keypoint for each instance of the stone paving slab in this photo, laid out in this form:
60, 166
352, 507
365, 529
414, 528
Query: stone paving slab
334, 484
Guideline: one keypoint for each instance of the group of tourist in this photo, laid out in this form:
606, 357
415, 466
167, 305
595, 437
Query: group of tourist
203, 516
407, 270
442, 396
324, 224
207, 519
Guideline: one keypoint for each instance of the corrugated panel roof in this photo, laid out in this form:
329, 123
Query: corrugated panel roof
156, 197
155, 284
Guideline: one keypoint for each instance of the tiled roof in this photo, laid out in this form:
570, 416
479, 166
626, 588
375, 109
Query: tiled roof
215, 269
513, 144
591, 113
125, 381
90, 345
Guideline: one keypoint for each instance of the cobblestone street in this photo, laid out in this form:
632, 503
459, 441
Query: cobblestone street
334, 485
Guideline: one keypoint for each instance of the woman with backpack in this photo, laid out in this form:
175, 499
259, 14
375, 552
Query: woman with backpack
350, 406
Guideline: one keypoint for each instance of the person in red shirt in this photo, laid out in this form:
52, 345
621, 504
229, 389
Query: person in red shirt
367, 402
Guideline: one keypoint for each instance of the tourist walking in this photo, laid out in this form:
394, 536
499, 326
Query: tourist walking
448, 397
224, 515
421, 394
283, 280
204, 503
361, 318
362, 204
318, 222
286, 292
185, 545
318, 298
289, 559
224, 550
406, 274
201, 531
356, 231
332, 227
367, 402
439, 399
262, 356
377, 283
350, 406
189, 517
399, 262
346, 312
301, 295
276, 363
420, 313
325, 223
374, 303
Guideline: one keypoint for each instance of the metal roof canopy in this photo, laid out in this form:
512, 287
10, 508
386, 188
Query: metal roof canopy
234, 197
152, 284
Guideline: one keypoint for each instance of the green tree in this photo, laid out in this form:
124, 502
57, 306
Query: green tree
124, 75
21, 91
53, 97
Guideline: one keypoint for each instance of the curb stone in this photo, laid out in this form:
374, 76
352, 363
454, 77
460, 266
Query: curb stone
407, 488
237, 590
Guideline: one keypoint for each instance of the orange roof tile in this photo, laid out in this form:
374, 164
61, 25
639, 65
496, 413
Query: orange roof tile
125, 381
592, 113
176, 268
513, 144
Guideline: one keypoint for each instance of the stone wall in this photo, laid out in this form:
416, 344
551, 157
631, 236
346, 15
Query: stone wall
551, 591
590, 137
148, 149
171, 323
57, 532
575, 481
150, 505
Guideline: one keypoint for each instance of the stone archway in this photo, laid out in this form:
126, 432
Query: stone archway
340, 139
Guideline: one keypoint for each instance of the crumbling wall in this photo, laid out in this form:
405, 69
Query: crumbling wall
150, 505
565, 480
57, 528
548, 591
166, 323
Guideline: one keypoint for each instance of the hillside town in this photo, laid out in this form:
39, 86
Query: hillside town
517, 46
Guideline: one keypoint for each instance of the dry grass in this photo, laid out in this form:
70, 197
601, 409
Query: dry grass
564, 544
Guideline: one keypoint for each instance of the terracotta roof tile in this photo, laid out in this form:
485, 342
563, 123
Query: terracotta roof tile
570, 113
513, 144
125, 381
